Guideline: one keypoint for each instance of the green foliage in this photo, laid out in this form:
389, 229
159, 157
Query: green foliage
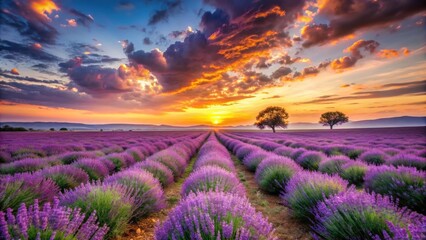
333, 118
272, 117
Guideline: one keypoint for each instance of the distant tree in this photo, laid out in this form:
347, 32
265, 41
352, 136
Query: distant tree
272, 117
333, 118
30, 129
52, 129
7, 128
63, 129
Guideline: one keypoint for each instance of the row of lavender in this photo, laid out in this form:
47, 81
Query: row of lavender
406, 148
93, 210
15, 146
335, 209
214, 205
401, 176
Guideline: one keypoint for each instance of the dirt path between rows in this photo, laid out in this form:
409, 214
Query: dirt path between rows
145, 228
270, 205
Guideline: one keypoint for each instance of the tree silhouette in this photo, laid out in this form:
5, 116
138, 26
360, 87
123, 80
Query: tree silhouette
272, 117
333, 118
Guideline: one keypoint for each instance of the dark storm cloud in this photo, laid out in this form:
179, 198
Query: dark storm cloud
83, 19
349, 16
281, 72
28, 21
163, 15
23, 52
4, 75
230, 36
146, 41
390, 90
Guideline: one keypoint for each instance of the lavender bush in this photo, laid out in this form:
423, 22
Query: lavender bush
49, 222
354, 172
65, 176
172, 160
307, 189
375, 157
158, 170
273, 173
252, 160
310, 160
333, 165
25, 188
358, 215
408, 160
214, 215
149, 196
212, 178
114, 204
406, 185
93, 167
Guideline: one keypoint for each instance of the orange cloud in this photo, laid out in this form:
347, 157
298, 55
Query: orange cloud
37, 46
72, 22
393, 53
44, 8
14, 71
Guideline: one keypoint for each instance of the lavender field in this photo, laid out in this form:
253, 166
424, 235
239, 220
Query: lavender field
344, 184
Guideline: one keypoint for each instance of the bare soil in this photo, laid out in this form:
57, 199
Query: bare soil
286, 227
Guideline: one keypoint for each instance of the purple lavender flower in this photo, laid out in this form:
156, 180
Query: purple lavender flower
284, 151
214, 215
310, 160
25, 188
404, 184
333, 165
24, 165
408, 160
136, 153
307, 189
65, 176
215, 158
114, 204
158, 170
93, 167
354, 172
51, 222
149, 196
212, 178
375, 157
273, 173
172, 160
252, 160
70, 157
245, 150
366, 216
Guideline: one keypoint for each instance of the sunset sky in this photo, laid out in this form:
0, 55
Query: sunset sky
218, 62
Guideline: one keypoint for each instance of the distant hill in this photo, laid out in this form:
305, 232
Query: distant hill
404, 121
